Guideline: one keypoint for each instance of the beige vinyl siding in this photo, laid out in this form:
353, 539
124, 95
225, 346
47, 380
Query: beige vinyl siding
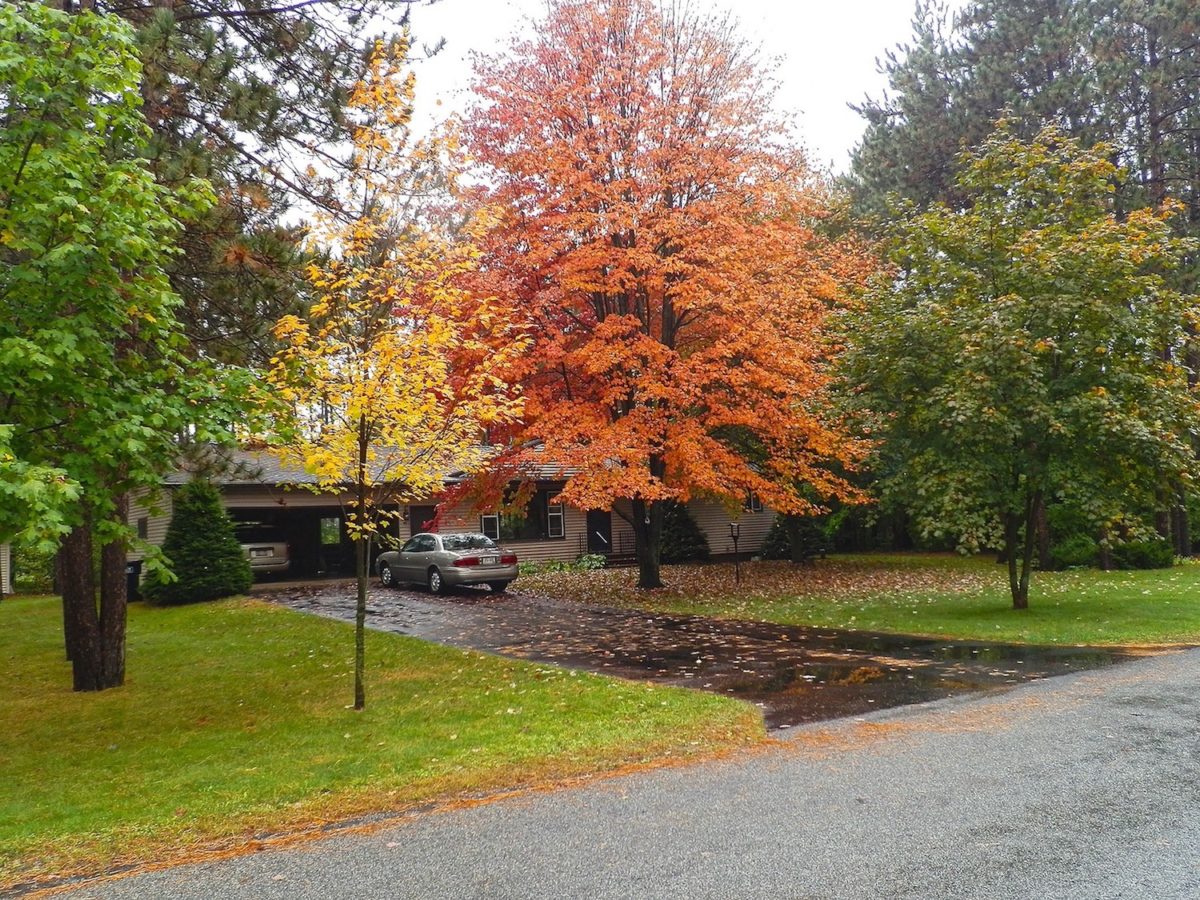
713, 519
156, 512
5, 569
463, 517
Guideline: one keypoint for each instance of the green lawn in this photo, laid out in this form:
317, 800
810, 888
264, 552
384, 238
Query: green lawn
234, 720
916, 594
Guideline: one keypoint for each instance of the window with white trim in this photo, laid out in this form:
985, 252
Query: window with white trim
556, 519
543, 518
489, 524
753, 503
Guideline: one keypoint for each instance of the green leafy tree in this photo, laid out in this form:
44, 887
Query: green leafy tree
207, 561
94, 389
1014, 354
1122, 72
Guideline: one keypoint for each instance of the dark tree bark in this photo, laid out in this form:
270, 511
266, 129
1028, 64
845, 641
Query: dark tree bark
1012, 530
647, 532
1106, 561
94, 633
1042, 531
360, 567
1019, 543
114, 601
79, 608
360, 622
1181, 532
1021, 600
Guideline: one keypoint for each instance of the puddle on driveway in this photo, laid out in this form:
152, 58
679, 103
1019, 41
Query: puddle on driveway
796, 674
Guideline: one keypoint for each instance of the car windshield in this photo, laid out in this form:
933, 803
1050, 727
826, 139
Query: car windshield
257, 533
468, 542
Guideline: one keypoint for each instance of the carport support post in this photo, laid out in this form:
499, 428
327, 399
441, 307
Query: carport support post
735, 532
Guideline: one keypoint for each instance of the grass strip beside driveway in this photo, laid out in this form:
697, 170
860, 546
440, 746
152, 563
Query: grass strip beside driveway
234, 721
941, 595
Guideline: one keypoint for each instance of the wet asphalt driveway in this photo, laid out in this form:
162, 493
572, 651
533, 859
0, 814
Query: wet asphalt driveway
795, 674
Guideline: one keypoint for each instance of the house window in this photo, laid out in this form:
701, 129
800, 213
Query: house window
555, 518
543, 518
331, 530
490, 525
143, 527
753, 504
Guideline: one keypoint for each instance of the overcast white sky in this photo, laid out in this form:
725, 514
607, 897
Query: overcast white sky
827, 51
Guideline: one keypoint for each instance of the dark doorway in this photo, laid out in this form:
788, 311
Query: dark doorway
599, 531
420, 518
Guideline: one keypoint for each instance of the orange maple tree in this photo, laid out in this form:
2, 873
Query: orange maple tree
658, 234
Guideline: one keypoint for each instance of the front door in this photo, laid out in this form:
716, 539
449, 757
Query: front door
599, 531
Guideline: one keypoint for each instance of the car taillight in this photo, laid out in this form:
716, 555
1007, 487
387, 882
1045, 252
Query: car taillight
467, 561
508, 559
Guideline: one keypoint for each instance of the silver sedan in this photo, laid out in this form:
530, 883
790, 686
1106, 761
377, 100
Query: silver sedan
439, 561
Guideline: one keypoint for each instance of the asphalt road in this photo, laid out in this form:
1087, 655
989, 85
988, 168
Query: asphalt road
1084, 786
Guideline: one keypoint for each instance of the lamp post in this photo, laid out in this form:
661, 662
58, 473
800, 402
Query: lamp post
735, 532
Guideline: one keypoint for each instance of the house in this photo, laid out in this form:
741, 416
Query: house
257, 487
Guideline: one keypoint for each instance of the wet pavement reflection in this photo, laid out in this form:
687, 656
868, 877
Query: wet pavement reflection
796, 674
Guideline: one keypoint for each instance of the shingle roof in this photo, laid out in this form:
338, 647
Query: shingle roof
231, 467
258, 467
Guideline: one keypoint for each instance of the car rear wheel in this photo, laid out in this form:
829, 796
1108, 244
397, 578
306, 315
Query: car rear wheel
386, 578
436, 585
498, 587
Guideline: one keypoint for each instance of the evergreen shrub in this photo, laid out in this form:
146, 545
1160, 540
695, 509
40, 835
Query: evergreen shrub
1152, 554
682, 539
203, 551
1074, 551
814, 538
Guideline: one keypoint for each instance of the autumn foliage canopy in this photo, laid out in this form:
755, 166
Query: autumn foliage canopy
659, 234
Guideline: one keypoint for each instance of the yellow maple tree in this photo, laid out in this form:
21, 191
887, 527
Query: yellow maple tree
387, 390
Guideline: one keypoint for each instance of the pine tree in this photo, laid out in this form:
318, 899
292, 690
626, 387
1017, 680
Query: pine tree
205, 557
248, 95
682, 539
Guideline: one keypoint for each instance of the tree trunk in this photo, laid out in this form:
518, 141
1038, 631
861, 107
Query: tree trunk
79, 606
1019, 542
1012, 530
795, 538
1106, 562
1021, 599
114, 604
1042, 529
1181, 532
647, 532
360, 563
360, 622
